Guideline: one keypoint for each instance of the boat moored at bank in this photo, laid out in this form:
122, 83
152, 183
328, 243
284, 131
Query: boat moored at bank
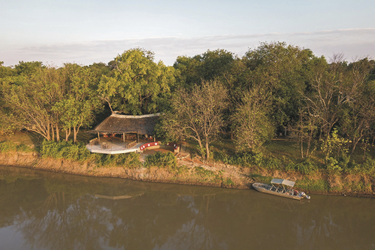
282, 188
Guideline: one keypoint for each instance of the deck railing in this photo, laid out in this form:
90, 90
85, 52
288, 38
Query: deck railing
149, 144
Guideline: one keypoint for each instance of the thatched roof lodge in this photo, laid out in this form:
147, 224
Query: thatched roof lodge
118, 123
130, 127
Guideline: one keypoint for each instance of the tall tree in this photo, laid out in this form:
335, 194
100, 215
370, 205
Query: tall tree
30, 96
211, 65
197, 114
136, 83
284, 70
252, 126
358, 94
79, 102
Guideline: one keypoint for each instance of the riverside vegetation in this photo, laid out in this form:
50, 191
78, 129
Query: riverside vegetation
277, 111
338, 177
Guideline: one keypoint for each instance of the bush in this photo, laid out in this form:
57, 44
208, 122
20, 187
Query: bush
333, 166
228, 182
241, 159
368, 167
130, 160
305, 167
272, 163
161, 160
65, 150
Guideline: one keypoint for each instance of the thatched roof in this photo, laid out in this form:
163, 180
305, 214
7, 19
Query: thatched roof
118, 123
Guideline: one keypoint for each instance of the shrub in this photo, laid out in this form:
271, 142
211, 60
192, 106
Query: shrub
271, 163
130, 160
161, 160
368, 167
228, 182
305, 167
241, 159
333, 166
65, 150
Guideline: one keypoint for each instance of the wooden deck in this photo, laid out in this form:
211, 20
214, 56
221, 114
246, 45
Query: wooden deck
112, 147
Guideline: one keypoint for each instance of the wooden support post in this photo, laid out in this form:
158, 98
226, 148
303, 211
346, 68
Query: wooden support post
154, 138
123, 137
98, 136
137, 137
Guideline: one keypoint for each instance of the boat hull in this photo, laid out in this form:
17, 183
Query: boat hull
265, 188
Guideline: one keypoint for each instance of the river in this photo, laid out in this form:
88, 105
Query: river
43, 210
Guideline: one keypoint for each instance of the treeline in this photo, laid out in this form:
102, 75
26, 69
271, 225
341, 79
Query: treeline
273, 90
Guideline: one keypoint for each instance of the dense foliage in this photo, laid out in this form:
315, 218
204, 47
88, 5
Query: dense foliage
273, 90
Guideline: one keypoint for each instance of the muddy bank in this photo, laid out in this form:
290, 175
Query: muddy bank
194, 172
186, 173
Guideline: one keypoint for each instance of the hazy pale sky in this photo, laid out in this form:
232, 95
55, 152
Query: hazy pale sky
84, 32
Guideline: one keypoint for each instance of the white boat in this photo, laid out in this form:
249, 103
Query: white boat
281, 187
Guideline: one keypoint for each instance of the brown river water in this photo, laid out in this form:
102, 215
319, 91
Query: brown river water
43, 210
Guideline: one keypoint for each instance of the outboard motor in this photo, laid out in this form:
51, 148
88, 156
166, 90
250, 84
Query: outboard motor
303, 194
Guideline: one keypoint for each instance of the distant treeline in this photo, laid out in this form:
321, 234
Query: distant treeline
273, 90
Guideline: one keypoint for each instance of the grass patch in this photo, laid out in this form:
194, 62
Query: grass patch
261, 178
8, 146
227, 182
208, 175
313, 185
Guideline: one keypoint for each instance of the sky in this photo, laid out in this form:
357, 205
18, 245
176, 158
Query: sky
85, 32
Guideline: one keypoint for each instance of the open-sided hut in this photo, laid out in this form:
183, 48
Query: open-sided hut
118, 123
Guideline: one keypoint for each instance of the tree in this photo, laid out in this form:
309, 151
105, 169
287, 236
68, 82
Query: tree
136, 83
358, 92
323, 96
305, 129
211, 65
284, 70
252, 126
79, 102
197, 114
6, 124
45, 100
29, 97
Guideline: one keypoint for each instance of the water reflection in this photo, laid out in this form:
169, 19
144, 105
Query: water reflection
54, 211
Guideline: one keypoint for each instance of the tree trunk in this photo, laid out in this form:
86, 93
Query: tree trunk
57, 133
355, 141
48, 132
74, 134
207, 150
67, 134
52, 133
309, 139
300, 134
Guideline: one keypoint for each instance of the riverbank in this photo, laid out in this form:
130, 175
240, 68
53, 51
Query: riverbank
186, 172
194, 172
